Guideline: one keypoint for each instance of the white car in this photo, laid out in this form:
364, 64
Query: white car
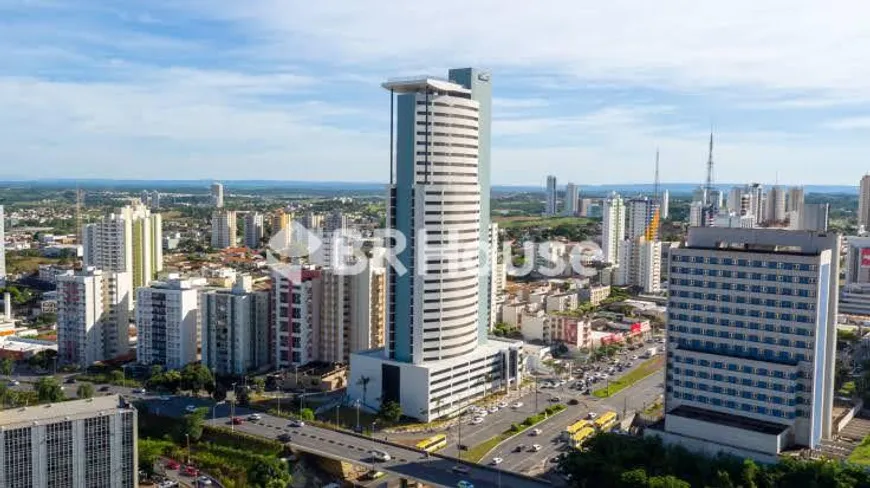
536, 432
536, 447
634, 358
204, 481
297, 423
493, 409
481, 413
592, 415
380, 455
502, 404
190, 408
477, 421
497, 460
14, 383
517, 405
255, 417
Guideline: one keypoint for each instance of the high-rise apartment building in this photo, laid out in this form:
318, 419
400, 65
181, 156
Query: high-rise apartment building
612, 228
311, 220
333, 243
254, 230
353, 314
665, 204
794, 199
281, 232
640, 264
550, 208
643, 218
864, 202
498, 274
437, 357
814, 216
93, 316
572, 200
74, 444
236, 328
2, 247
751, 336
129, 240
775, 205
167, 323
857, 260
217, 195
297, 296
223, 229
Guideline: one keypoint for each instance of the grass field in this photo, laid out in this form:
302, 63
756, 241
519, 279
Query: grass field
645, 369
521, 222
861, 454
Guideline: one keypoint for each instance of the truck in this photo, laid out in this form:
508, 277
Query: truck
650, 352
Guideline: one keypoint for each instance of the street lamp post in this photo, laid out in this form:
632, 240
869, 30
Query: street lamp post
233, 409
356, 404
187, 436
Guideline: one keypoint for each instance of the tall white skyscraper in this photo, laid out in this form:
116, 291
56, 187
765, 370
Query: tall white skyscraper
612, 227
74, 444
254, 230
93, 316
2, 247
666, 204
438, 313
864, 202
814, 216
129, 240
223, 229
217, 195
572, 199
794, 199
235, 328
775, 205
643, 218
550, 207
167, 320
751, 341
640, 264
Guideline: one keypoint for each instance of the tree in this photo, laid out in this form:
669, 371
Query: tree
269, 473
191, 425
306, 414
749, 474
6, 367
260, 383
196, 377
363, 381
116, 377
667, 482
85, 390
155, 370
636, 478
49, 390
390, 411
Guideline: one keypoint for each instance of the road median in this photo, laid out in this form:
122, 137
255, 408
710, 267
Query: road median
479, 451
645, 369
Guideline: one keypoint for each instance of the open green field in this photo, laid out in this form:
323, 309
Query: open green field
522, 222
645, 369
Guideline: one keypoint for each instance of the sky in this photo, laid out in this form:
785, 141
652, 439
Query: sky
290, 90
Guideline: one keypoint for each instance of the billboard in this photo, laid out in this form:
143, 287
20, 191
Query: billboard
865, 257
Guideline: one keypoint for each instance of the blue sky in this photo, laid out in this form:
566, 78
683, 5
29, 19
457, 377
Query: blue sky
269, 89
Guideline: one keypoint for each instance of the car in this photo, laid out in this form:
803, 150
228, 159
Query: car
165, 398
172, 464
70, 380
573, 401
477, 421
461, 469
517, 405
555, 399
493, 409
496, 461
482, 413
203, 481
380, 455
237, 421
14, 383
502, 405
634, 358
296, 423
255, 417
190, 408
189, 471
373, 475
140, 391
536, 432
592, 415
464, 484
519, 448
105, 388
284, 437
555, 459
536, 447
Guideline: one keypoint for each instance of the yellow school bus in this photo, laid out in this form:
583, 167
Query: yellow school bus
606, 421
582, 436
433, 443
574, 428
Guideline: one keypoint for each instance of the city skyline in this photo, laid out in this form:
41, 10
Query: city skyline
212, 90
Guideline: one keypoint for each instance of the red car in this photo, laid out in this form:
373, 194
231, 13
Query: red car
189, 471
237, 421
172, 465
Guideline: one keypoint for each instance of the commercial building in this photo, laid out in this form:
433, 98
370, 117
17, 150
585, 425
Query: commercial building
857, 260
236, 328
437, 357
297, 296
217, 195
550, 206
254, 230
572, 200
167, 322
74, 444
129, 240
93, 316
612, 228
751, 341
814, 216
223, 229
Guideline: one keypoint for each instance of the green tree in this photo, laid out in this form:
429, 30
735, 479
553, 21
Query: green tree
306, 414
155, 370
260, 383
636, 478
269, 473
749, 474
85, 390
196, 377
49, 390
6, 366
192, 424
723, 480
390, 411
116, 377
667, 482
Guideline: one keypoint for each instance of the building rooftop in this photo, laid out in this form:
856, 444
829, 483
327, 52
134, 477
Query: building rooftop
414, 84
728, 420
55, 412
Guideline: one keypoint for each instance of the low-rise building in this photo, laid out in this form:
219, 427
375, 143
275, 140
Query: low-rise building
594, 294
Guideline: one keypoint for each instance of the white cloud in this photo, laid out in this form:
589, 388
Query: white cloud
849, 123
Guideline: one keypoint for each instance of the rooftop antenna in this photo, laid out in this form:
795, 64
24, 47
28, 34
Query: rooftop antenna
708, 186
656, 185
80, 197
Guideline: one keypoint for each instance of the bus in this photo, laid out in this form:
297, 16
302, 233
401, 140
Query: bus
573, 428
433, 443
606, 421
581, 436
